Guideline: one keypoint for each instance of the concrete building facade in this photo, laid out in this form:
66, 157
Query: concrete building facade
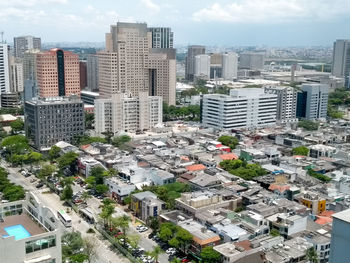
92, 72
242, 109
312, 101
286, 103
127, 113
192, 52
341, 60
162, 37
202, 67
24, 43
229, 66
50, 120
4, 68
16, 75
253, 61
58, 73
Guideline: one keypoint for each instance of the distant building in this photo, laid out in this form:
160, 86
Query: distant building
4, 65
57, 73
252, 61
128, 114
242, 109
312, 101
24, 43
286, 103
29, 232
215, 66
89, 97
229, 66
29, 64
50, 120
202, 67
192, 52
340, 241
10, 100
16, 75
341, 60
316, 203
82, 74
92, 72
162, 37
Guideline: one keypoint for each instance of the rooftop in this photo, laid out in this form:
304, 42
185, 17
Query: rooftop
343, 215
201, 234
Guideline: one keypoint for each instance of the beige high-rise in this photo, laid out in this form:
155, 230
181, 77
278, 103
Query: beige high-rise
130, 65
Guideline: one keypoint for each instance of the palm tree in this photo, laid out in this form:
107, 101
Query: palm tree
156, 252
312, 255
85, 196
123, 223
107, 211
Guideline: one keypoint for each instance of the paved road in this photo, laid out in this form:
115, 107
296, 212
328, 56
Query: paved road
103, 253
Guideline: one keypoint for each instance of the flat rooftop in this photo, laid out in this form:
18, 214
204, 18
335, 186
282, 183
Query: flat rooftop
32, 227
343, 215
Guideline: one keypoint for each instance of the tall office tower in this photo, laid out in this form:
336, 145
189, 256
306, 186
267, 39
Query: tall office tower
341, 60
82, 74
50, 120
129, 64
215, 66
162, 37
242, 109
92, 72
29, 64
4, 68
229, 66
16, 75
286, 103
340, 241
57, 73
253, 61
312, 101
128, 114
24, 43
202, 67
192, 52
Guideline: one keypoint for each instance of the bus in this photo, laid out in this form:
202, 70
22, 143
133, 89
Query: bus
87, 215
65, 219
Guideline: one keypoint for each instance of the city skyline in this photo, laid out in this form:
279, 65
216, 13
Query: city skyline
235, 23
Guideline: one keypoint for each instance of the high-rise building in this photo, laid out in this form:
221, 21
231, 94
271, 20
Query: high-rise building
129, 64
29, 64
50, 120
128, 114
312, 101
24, 43
57, 73
215, 66
341, 60
16, 75
192, 52
252, 61
4, 68
162, 37
242, 109
202, 67
92, 72
82, 74
229, 66
340, 241
286, 102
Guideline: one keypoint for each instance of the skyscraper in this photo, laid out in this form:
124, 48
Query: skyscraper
312, 101
251, 60
29, 64
341, 60
229, 66
16, 75
58, 73
24, 43
192, 52
83, 74
92, 72
202, 67
162, 37
129, 64
4, 68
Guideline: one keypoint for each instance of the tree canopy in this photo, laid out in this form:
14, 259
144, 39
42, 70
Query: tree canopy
229, 141
67, 159
11, 192
308, 125
242, 169
209, 255
17, 125
301, 150
16, 144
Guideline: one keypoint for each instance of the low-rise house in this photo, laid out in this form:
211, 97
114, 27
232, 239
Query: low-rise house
85, 164
151, 207
321, 240
229, 232
160, 177
137, 199
118, 188
288, 224
313, 201
320, 150
231, 253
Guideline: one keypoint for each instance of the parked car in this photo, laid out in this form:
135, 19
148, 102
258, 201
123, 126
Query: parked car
39, 185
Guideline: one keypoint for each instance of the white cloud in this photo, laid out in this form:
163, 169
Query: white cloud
272, 11
151, 5
29, 3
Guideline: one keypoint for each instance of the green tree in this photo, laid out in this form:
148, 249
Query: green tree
120, 141
72, 242
311, 255
102, 188
209, 255
184, 237
67, 159
229, 141
167, 231
153, 223
107, 211
89, 120
274, 232
54, 152
67, 193
34, 158
85, 196
134, 240
47, 170
308, 125
16, 144
90, 248
13, 192
98, 173
301, 150
123, 223
156, 252
17, 125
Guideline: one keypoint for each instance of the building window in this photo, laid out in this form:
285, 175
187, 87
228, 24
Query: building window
40, 244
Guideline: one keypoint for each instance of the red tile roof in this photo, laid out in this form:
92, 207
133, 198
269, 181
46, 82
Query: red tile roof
228, 156
195, 167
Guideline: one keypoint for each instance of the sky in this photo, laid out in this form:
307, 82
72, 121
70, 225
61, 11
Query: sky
217, 22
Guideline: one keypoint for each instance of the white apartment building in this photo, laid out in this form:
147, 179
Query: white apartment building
229, 66
16, 73
286, 103
128, 114
202, 66
29, 232
4, 68
247, 108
